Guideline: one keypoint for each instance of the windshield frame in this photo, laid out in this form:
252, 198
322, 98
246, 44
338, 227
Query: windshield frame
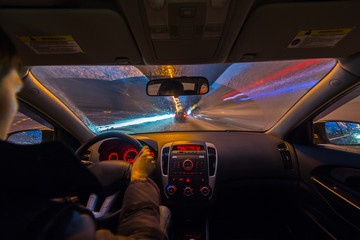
194, 130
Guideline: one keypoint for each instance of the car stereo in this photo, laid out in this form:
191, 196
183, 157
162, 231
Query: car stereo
188, 170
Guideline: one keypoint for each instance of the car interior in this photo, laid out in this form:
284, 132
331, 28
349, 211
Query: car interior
268, 148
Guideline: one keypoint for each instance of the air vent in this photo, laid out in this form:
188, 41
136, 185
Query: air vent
212, 160
285, 156
165, 160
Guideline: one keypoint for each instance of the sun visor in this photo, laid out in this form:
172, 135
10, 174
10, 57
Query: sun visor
299, 31
70, 36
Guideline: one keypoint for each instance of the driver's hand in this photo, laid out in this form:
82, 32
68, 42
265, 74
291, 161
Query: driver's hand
143, 166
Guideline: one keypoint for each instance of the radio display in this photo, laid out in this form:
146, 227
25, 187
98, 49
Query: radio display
189, 147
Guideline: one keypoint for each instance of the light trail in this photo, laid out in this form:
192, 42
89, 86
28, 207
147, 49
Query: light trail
277, 92
269, 84
230, 94
242, 99
285, 90
177, 103
237, 95
289, 80
282, 73
132, 122
170, 71
269, 89
343, 124
20, 121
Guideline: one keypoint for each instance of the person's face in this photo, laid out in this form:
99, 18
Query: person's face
10, 85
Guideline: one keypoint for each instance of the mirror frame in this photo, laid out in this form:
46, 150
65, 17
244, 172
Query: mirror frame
47, 135
319, 128
201, 80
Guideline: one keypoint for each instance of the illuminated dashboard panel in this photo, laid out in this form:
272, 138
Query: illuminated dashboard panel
188, 170
117, 150
188, 147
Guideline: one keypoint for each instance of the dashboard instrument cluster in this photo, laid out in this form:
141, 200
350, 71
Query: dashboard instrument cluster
117, 150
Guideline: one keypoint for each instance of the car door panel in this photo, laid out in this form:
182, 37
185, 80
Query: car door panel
330, 179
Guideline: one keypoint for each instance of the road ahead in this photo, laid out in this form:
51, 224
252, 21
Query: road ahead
191, 123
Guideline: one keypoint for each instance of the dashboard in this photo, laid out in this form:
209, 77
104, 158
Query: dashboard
199, 170
115, 149
228, 157
188, 168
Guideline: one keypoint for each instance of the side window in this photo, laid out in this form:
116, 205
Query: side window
339, 125
29, 128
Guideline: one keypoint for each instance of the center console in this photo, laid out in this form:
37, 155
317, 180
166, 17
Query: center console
188, 175
188, 170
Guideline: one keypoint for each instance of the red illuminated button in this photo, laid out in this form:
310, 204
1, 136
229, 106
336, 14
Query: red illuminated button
188, 191
188, 165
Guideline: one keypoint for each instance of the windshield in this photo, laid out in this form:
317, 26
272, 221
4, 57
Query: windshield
242, 96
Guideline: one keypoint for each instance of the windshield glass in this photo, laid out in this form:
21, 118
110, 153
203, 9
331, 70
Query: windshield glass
242, 96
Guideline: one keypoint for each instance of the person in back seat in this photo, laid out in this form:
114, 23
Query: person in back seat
140, 218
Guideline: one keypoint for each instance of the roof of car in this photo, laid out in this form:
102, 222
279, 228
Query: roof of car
62, 32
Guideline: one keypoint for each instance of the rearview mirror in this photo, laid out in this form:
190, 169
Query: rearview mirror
337, 132
179, 86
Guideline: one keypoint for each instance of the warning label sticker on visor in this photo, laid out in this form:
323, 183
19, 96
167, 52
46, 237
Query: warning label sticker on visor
318, 38
52, 44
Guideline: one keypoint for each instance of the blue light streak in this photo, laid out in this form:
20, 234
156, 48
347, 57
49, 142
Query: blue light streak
286, 90
132, 122
242, 99
279, 91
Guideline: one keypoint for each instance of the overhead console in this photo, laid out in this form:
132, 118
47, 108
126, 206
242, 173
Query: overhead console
188, 170
208, 29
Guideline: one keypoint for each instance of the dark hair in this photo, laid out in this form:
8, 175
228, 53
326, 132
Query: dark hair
9, 58
171, 88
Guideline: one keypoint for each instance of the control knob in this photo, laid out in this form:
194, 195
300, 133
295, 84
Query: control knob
171, 190
188, 191
188, 165
205, 191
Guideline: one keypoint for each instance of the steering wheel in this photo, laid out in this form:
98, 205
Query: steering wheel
112, 174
